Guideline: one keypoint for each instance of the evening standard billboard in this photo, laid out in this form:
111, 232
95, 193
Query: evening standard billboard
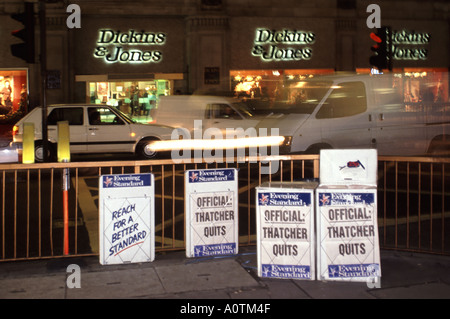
346, 201
285, 230
211, 205
126, 221
347, 234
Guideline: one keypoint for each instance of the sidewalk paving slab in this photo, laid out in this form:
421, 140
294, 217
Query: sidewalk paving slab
173, 276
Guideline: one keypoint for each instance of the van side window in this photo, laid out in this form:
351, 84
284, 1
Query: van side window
348, 99
74, 115
222, 111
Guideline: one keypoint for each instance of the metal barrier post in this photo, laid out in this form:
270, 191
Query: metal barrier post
66, 186
64, 156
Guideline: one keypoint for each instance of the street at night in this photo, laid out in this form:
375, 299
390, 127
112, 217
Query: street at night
216, 149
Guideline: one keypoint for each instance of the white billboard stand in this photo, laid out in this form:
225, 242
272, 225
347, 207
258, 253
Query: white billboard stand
211, 206
285, 230
126, 221
347, 228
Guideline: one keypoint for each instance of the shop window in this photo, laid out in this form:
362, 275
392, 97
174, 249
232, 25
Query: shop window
13, 95
137, 99
425, 86
271, 85
73, 115
415, 87
348, 99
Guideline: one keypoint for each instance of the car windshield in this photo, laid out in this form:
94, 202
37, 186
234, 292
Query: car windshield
125, 116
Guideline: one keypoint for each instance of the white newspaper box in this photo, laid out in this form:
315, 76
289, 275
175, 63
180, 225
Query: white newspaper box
211, 207
347, 230
285, 230
126, 221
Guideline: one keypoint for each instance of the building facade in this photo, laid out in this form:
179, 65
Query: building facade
130, 53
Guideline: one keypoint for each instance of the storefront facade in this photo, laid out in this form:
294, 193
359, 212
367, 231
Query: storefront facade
129, 63
272, 55
127, 54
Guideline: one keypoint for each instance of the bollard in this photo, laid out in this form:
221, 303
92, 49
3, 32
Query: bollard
28, 143
63, 141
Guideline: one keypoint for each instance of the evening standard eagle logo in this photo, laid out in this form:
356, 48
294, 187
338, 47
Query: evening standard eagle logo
107, 181
325, 199
266, 271
198, 250
193, 176
263, 199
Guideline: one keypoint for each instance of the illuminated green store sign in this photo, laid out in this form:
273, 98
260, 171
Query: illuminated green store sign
283, 45
410, 45
116, 46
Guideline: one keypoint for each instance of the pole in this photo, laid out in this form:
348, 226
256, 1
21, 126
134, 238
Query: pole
66, 186
64, 157
43, 60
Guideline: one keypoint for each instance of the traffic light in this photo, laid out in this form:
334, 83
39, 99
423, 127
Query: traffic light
381, 60
24, 50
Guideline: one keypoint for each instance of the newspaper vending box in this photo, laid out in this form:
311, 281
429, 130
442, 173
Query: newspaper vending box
211, 208
285, 230
346, 201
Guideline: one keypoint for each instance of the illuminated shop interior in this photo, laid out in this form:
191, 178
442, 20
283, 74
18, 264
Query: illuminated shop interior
420, 85
274, 85
136, 98
417, 84
13, 91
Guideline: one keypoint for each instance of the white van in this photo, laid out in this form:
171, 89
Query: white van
361, 112
180, 111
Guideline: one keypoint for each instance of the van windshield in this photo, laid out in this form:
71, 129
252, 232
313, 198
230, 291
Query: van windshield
305, 96
243, 109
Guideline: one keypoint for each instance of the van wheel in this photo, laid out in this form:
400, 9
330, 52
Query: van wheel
315, 148
439, 146
144, 149
39, 152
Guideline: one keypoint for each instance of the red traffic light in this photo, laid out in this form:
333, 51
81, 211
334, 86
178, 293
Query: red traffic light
375, 38
381, 48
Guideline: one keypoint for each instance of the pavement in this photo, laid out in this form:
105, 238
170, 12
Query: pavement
172, 276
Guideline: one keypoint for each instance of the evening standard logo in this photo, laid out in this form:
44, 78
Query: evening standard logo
284, 199
286, 271
220, 175
131, 180
326, 199
353, 165
348, 271
215, 249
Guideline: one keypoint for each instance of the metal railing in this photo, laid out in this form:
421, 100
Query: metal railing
412, 202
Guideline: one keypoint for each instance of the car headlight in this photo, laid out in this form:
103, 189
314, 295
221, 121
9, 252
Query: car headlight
287, 141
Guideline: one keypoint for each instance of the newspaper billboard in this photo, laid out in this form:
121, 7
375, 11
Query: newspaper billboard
285, 230
347, 228
126, 221
348, 234
211, 205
